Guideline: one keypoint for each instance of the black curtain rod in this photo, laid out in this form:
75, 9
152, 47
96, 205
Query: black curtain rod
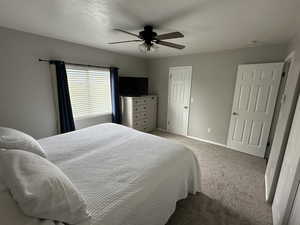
76, 64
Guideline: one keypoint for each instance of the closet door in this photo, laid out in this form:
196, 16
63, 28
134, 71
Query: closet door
289, 177
253, 107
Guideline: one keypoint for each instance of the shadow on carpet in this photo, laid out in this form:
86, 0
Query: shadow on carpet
199, 209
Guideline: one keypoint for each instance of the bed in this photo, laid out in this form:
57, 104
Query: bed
127, 177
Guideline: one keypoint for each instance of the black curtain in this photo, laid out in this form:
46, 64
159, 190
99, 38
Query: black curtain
115, 96
64, 102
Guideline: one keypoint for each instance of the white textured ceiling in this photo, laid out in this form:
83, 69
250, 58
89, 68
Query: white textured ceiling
208, 25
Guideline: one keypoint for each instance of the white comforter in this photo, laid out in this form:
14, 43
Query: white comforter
127, 177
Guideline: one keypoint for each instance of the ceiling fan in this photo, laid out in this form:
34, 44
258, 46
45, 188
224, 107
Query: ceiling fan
150, 38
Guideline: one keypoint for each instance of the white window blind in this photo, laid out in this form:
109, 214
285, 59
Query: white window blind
90, 91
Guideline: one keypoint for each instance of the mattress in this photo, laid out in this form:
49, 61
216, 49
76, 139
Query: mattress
127, 177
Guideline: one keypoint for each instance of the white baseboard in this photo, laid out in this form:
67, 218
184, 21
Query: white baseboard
207, 141
198, 139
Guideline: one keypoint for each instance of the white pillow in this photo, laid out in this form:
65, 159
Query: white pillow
14, 139
41, 189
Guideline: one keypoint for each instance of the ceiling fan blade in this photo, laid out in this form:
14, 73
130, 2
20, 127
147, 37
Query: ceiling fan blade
171, 35
126, 32
169, 44
118, 42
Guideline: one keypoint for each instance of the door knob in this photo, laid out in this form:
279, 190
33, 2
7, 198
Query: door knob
235, 113
186, 107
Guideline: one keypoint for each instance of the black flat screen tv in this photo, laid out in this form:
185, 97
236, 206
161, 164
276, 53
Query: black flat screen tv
133, 86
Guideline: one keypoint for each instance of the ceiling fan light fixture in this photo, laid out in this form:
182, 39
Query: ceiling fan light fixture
145, 48
254, 43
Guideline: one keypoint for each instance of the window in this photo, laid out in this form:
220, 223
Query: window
90, 91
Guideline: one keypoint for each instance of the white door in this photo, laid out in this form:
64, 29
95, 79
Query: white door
253, 106
179, 99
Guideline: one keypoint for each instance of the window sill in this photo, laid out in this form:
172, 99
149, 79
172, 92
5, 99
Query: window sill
92, 120
94, 116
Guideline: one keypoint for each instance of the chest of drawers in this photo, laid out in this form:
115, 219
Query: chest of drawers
139, 112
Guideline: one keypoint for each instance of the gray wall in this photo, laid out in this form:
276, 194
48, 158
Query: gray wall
26, 95
213, 83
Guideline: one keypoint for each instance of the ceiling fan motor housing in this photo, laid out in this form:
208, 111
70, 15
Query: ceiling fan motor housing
148, 35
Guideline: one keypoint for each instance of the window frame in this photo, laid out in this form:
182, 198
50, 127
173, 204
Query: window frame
89, 68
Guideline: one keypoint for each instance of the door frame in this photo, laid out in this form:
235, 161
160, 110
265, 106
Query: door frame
189, 101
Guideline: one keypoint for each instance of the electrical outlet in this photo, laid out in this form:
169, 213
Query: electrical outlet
208, 130
192, 100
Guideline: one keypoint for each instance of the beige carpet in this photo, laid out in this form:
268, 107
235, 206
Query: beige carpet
232, 188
